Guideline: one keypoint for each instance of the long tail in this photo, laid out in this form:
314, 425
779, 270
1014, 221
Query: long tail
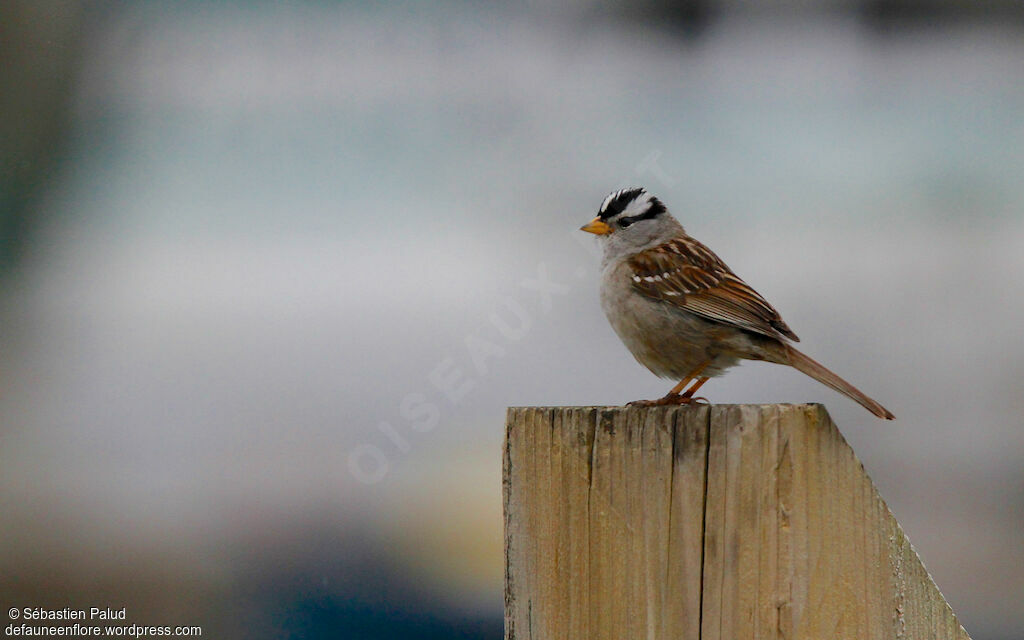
821, 374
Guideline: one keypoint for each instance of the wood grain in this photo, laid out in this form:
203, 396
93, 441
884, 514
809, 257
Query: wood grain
712, 522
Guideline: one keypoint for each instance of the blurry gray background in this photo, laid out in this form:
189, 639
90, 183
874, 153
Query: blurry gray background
270, 277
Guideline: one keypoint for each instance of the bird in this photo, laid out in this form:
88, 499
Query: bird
681, 311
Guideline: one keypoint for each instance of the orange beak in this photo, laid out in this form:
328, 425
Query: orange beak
597, 226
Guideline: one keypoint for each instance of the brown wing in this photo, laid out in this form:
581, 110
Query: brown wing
688, 275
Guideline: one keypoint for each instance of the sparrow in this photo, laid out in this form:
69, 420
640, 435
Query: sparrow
681, 311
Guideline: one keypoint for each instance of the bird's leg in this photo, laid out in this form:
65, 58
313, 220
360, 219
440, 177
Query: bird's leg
673, 396
692, 390
679, 387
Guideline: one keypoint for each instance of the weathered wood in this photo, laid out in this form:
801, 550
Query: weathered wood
708, 522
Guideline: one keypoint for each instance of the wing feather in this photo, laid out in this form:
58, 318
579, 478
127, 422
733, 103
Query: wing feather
686, 274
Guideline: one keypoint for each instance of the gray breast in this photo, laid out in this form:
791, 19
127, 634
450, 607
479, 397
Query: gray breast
669, 341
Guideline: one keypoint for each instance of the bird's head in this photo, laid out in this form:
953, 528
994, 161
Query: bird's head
632, 217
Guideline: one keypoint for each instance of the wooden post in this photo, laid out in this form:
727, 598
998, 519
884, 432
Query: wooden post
720, 522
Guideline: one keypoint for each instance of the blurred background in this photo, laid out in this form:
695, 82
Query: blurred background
271, 272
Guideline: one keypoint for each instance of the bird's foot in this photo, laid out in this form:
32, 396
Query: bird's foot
670, 399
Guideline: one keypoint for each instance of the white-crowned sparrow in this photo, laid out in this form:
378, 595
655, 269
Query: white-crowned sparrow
680, 310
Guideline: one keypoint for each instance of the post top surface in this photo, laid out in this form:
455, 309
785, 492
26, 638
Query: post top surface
678, 407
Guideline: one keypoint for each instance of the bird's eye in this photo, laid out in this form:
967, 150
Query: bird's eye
625, 222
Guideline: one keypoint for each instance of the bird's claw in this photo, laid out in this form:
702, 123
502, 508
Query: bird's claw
670, 399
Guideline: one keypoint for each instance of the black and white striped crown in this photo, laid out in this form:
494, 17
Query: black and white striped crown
633, 204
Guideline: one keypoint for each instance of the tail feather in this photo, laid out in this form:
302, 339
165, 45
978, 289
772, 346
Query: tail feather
817, 371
